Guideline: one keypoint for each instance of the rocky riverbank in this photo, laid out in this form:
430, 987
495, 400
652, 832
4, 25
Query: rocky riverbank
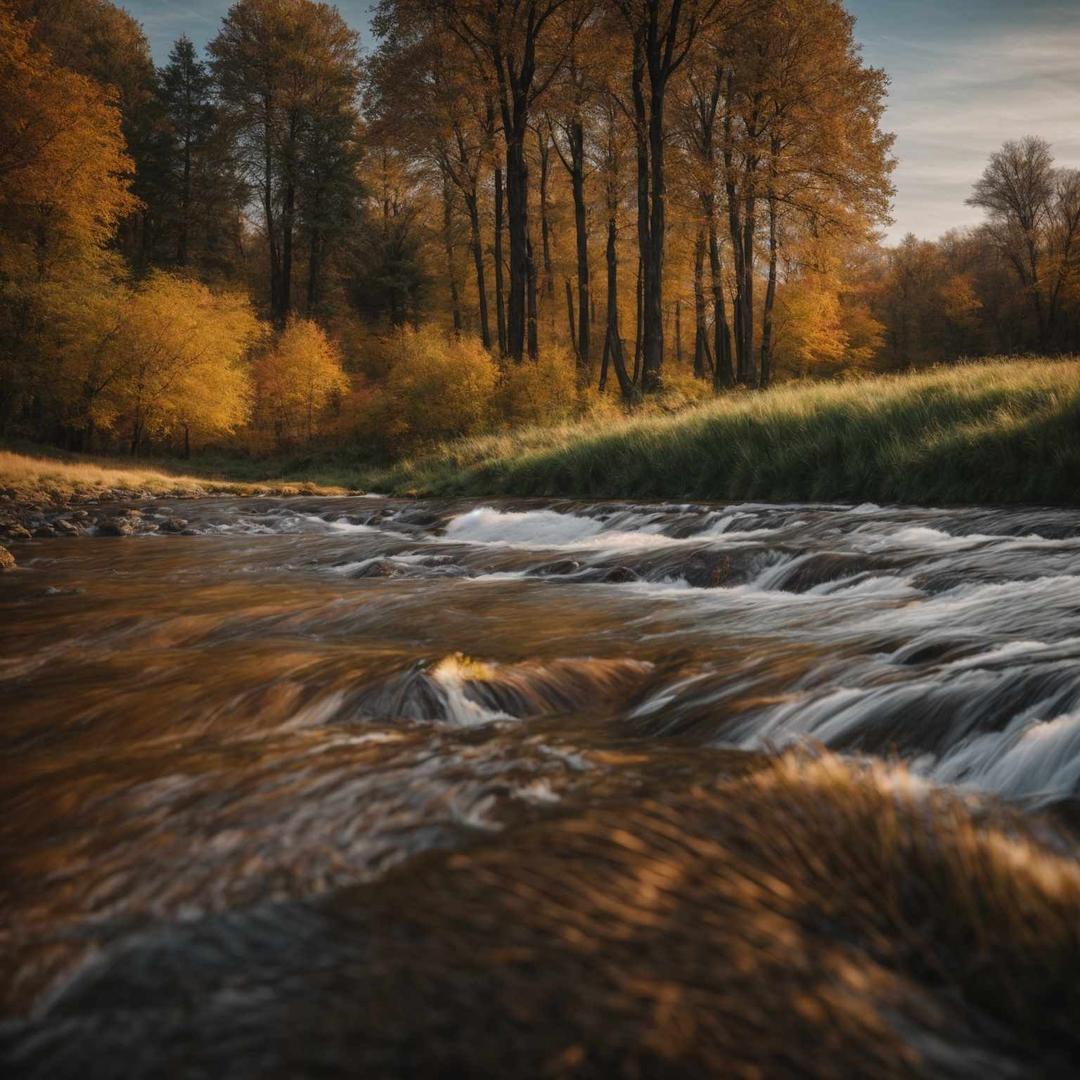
43, 498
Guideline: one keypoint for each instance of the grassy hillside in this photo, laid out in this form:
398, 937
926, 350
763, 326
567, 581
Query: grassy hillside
981, 432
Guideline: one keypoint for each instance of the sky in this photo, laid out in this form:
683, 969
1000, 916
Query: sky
965, 76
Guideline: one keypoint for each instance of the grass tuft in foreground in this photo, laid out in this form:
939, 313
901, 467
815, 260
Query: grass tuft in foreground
995, 431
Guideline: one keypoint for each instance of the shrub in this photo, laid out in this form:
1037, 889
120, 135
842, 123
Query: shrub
438, 388
540, 391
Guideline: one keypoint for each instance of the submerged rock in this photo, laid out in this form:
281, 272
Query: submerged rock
7, 560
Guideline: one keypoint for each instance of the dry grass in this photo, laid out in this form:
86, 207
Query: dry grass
47, 480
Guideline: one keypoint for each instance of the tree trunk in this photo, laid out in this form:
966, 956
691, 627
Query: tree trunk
477, 247
770, 298
314, 270
640, 309
517, 213
653, 260
577, 183
185, 206
749, 229
570, 317
285, 293
531, 313
701, 340
544, 148
723, 376
268, 208
448, 244
500, 289
612, 340
678, 332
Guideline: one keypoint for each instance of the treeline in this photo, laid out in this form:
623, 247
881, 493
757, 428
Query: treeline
505, 213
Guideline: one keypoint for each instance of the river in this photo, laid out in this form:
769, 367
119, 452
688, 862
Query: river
244, 740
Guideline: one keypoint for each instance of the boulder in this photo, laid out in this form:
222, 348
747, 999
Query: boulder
116, 526
7, 560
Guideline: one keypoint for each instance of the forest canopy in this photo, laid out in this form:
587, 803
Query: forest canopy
494, 214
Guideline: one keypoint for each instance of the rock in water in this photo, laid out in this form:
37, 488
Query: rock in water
117, 526
7, 560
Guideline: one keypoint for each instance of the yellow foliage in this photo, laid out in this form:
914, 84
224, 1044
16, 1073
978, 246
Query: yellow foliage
542, 391
161, 360
959, 302
438, 388
183, 348
298, 380
807, 325
63, 164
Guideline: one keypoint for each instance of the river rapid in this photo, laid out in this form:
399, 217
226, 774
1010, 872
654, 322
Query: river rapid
327, 786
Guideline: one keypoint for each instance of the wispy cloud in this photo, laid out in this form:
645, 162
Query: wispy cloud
954, 102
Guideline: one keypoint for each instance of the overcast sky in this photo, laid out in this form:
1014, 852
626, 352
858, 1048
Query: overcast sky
966, 75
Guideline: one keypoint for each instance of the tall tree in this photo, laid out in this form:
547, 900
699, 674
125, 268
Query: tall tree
661, 35
64, 189
194, 193
287, 70
575, 99
801, 135
509, 37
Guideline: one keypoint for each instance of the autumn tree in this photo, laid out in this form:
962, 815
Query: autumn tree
660, 35
99, 39
513, 41
182, 351
572, 111
64, 189
297, 380
802, 149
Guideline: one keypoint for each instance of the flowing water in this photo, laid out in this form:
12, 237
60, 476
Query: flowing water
303, 711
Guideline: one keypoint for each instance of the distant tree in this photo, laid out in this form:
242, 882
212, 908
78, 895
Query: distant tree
1033, 211
1017, 189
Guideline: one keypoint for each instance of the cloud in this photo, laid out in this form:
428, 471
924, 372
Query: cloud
954, 103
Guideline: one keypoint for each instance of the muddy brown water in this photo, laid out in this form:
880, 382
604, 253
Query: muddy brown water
211, 740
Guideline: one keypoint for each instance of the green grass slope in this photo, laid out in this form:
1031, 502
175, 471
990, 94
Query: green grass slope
994, 432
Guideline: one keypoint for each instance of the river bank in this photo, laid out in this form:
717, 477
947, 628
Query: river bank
46, 497
1002, 432
998, 432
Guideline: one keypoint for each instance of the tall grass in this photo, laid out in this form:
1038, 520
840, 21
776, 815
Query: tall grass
993, 431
